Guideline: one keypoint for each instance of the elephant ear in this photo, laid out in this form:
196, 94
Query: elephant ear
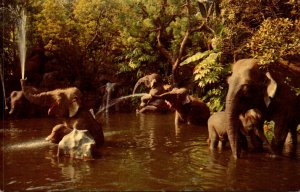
153, 83
271, 89
73, 107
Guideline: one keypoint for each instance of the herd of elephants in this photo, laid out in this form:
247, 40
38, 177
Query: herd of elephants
254, 96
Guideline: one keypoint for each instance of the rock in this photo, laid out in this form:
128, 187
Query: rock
77, 144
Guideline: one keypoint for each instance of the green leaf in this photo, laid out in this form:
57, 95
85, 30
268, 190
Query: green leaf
196, 57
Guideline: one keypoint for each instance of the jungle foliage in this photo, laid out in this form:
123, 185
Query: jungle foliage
189, 42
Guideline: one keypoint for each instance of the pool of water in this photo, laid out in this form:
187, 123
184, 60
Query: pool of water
141, 152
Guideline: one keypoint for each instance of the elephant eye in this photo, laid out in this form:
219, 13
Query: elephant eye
247, 90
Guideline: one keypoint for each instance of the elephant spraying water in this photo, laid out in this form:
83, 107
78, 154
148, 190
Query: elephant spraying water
65, 103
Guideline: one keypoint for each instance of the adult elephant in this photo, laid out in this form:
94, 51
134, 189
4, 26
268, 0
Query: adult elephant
251, 87
66, 103
61, 102
189, 109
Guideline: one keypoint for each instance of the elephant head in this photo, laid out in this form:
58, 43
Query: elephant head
250, 121
61, 102
176, 97
253, 122
189, 109
149, 81
249, 88
17, 102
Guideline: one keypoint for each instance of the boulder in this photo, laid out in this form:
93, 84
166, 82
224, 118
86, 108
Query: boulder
77, 144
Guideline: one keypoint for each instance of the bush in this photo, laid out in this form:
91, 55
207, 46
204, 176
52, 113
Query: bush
276, 39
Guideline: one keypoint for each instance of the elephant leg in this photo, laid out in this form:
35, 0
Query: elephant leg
291, 139
213, 138
223, 143
257, 142
243, 142
280, 134
293, 132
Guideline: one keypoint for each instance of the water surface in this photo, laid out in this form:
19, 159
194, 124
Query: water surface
141, 152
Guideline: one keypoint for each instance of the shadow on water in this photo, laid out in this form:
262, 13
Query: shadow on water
141, 152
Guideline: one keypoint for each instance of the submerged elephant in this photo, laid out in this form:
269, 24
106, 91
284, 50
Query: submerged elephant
251, 87
251, 125
148, 103
189, 109
20, 107
58, 132
66, 103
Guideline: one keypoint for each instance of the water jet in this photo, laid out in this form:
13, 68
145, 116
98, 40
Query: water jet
22, 42
117, 100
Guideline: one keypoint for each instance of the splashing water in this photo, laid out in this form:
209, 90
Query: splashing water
29, 144
109, 88
3, 88
22, 42
115, 101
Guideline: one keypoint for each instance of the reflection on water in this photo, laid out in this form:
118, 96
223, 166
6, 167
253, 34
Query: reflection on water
141, 152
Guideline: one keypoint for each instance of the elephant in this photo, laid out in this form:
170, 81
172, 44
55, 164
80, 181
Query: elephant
58, 132
83, 120
150, 104
20, 107
188, 109
268, 91
61, 102
66, 103
147, 80
156, 105
251, 125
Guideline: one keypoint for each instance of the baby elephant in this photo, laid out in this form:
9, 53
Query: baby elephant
252, 125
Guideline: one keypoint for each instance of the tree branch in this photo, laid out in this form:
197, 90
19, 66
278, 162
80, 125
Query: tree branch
163, 50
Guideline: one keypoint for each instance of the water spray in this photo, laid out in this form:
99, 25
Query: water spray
115, 101
3, 88
22, 42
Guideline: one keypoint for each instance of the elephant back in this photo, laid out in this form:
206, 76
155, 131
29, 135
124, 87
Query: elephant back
199, 111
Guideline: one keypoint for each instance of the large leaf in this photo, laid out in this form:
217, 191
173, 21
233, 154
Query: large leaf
196, 57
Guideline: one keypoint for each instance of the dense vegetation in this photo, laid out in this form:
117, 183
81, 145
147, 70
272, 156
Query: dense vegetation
190, 42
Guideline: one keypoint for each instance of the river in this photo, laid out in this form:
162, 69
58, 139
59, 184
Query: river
141, 152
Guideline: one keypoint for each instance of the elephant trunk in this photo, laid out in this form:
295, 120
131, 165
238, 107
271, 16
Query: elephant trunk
157, 96
232, 125
140, 81
35, 96
12, 110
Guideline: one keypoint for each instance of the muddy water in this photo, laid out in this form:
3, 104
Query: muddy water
142, 152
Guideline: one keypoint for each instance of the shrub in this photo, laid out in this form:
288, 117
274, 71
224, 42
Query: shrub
276, 39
